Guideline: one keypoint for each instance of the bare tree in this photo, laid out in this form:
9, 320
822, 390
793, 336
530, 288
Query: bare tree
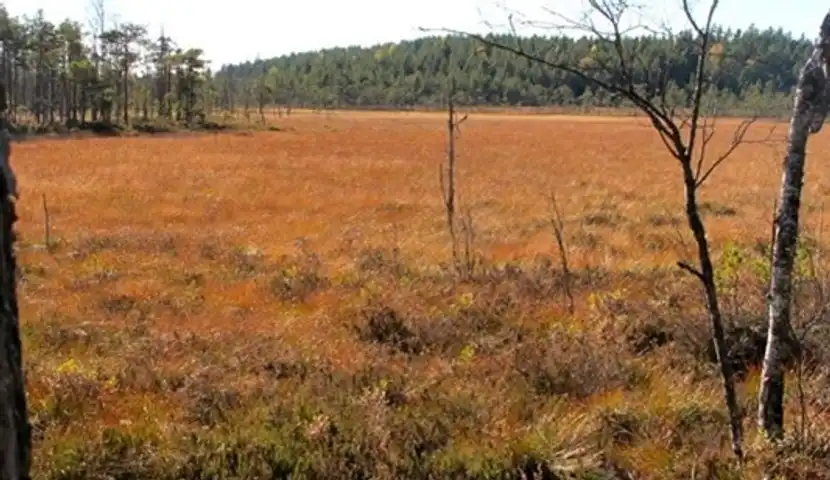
686, 128
447, 177
97, 23
15, 430
810, 109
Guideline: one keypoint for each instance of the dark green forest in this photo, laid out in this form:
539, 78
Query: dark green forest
81, 71
753, 71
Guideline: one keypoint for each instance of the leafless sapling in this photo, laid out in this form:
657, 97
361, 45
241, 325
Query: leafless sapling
685, 129
447, 178
559, 234
47, 227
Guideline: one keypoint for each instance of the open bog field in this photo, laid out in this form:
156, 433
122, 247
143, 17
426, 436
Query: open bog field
250, 305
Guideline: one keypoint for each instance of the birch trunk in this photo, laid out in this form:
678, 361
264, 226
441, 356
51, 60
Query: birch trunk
15, 433
809, 111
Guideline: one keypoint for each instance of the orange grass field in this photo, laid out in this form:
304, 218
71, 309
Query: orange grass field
246, 305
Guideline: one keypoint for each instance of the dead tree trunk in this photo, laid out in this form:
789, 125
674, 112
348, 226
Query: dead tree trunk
808, 116
15, 433
447, 180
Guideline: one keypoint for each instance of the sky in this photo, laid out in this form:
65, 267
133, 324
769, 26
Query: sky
239, 30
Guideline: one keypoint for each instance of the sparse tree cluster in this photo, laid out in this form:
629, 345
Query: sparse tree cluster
109, 73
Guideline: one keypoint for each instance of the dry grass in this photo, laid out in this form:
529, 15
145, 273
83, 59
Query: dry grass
255, 304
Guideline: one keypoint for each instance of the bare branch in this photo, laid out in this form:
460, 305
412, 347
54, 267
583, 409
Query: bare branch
708, 131
738, 139
817, 278
685, 266
700, 74
687, 10
662, 123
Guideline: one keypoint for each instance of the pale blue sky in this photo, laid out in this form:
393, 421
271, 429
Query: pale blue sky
238, 30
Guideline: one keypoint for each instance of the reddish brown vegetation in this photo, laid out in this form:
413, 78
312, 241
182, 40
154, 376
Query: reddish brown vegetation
279, 299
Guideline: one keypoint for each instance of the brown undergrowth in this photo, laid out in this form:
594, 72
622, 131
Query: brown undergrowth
275, 304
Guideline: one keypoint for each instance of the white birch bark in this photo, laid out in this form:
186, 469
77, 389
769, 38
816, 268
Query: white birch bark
809, 111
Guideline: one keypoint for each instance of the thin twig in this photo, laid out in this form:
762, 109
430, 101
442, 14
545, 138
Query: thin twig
559, 232
685, 266
47, 227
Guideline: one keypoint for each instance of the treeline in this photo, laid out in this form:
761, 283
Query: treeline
752, 71
110, 74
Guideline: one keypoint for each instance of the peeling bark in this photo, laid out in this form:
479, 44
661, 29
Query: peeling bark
15, 431
809, 111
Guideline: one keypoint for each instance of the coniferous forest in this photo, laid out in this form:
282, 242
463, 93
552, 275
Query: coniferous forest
70, 74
